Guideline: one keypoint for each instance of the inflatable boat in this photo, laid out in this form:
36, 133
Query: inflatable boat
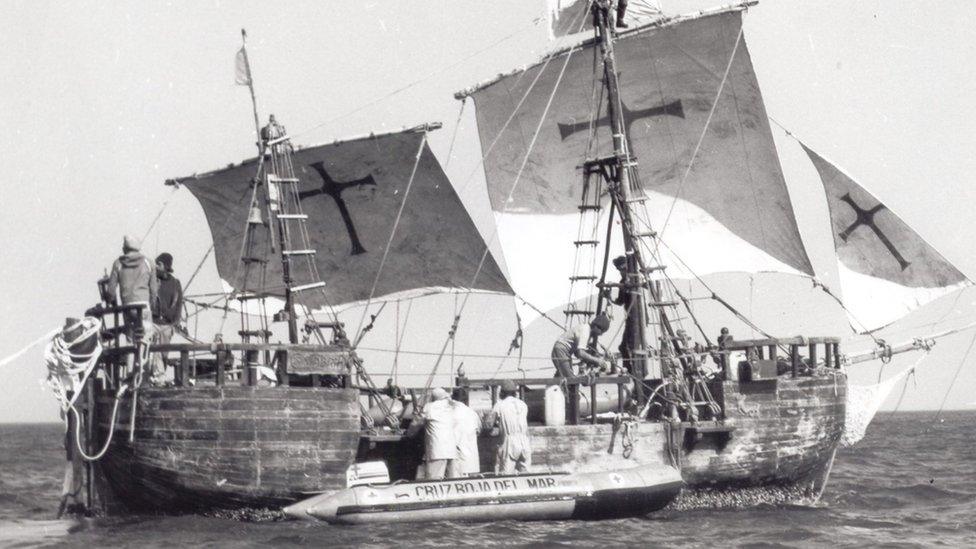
485, 498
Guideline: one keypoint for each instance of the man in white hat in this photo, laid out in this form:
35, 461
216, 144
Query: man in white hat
440, 445
511, 417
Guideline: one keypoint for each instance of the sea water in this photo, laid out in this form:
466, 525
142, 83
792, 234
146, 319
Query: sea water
910, 482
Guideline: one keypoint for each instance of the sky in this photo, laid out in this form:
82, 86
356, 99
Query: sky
102, 101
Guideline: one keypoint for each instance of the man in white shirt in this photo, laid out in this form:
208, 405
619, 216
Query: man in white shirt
467, 424
511, 416
440, 445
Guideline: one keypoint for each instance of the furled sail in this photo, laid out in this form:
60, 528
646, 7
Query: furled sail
351, 192
698, 127
886, 269
573, 16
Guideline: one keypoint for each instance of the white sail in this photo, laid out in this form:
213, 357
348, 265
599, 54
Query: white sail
698, 127
886, 269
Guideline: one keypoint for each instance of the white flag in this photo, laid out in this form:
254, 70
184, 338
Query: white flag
242, 69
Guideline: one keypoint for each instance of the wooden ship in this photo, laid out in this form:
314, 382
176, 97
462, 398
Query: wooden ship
257, 423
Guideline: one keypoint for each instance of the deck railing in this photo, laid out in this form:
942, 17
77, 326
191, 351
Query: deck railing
768, 350
286, 360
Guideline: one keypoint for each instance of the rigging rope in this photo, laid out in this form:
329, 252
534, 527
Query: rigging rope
715, 296
972, 342
389, 241
457, 126
484, 255
29, 346
428, 76
159, 214
701, 138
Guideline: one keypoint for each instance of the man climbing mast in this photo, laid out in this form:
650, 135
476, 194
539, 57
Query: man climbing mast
622, 183
621, 192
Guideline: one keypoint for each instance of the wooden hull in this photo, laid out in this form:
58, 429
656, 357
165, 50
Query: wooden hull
201, 448
786, 432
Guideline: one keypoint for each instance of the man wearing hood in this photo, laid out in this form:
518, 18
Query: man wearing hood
168, 309
135, 279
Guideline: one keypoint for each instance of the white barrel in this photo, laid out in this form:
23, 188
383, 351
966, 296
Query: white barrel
555, 406
393, 405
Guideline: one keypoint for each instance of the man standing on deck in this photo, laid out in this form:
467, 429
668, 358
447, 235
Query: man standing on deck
573, 343
134, 278
440, 446
467, 424
511, 417
168, 310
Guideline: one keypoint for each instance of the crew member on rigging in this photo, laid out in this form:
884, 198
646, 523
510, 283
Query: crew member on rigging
621, 12
623, 299
273, 130
573, 343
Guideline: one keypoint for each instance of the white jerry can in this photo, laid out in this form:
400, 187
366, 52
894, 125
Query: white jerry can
555, 406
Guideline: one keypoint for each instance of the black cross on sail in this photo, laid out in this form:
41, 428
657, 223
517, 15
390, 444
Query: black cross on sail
351, 191
333, 189
698, 132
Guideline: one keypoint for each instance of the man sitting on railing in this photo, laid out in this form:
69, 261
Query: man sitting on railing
573, 343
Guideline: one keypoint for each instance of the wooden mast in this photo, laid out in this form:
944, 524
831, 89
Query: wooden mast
621, 191
264, 149
250, 87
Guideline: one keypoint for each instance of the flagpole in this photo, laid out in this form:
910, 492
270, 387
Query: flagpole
250, 86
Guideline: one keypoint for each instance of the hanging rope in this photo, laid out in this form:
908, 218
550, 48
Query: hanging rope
962, 362
69, 370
